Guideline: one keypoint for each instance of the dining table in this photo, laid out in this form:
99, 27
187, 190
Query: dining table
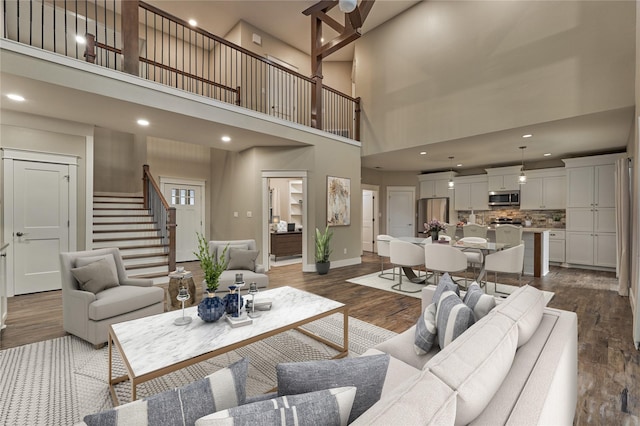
485, 248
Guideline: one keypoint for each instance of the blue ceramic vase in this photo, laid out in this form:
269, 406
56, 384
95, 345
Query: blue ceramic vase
231, 302
211, 308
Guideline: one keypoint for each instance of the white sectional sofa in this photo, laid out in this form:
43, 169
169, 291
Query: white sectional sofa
517, 365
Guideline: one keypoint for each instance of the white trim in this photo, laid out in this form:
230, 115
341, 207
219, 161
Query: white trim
335, 264
88, 196
376, 211
9, 155
295, 174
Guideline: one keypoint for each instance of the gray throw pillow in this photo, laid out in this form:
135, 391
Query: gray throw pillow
479, 302
445, 284
426, 330
453, 318
326, 407
181, 406
242, 259
95, 277
366, 373
220, 249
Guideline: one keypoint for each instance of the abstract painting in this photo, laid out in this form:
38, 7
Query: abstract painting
338, 201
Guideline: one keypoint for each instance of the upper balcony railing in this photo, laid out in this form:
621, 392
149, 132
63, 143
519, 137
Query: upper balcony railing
171, 52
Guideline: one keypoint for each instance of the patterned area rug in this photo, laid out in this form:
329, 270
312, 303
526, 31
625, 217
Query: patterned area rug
59, 381
373, 280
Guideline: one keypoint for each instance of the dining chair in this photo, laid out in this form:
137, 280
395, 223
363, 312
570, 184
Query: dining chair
441, 258
450, 229
509, 261
474, 230
511, 235
384, 250
475, 257
406, 255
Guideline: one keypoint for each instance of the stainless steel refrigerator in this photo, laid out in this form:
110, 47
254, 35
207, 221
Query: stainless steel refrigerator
429, 209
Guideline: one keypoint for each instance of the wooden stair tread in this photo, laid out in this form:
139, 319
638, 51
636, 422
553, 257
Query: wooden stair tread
106, 240
143, 255
154, 275
123, 223
146, 265
119, 208
106, 231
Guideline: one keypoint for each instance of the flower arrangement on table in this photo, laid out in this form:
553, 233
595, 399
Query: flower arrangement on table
434, 227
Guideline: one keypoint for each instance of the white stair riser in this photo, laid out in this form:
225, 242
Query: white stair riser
144, 260
125, 243
161, 280
118, 199
117, 227
124, 206
145, 271
155, 250
110, 219
128, 234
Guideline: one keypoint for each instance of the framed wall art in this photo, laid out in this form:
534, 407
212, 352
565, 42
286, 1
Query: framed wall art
338, 201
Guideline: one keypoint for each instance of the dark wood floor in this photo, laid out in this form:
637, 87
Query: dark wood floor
609, 365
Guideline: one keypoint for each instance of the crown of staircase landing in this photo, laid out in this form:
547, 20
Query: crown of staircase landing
120, 220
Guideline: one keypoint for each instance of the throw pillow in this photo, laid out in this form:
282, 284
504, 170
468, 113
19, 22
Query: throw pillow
452, 319
479, 302
425, 330
85, 260
242, 259
182, 406
220, 249
95, 277
366, 373
326, 407
444, 284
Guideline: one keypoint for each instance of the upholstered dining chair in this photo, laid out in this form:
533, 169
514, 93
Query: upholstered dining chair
475, 257
96, 293
405, 255
510, 235
509, 261
474, 230
441, 258
450, 229
384, 250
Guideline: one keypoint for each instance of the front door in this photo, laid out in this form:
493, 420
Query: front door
40, 224
188, 201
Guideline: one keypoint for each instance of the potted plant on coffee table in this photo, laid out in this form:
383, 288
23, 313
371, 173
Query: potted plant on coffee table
323, 250
211, 308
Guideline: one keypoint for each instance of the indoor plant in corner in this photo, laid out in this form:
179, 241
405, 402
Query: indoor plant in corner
323, 251
211, 308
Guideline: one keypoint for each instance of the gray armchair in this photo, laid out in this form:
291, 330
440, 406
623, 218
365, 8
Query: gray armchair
88, 315
251, 273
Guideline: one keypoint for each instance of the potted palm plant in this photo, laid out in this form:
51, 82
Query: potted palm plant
323, 250
211, 308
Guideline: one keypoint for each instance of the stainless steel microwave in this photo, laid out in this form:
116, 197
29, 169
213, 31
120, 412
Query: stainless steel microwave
504, 198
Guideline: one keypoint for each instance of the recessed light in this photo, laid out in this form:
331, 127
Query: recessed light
528, 135
226, 139
15, 97
547, 154
459, 165
193, 22
143, 122
423, 153
80, 39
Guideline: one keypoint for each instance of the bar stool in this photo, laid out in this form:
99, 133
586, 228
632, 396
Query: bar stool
474, 230
510, 235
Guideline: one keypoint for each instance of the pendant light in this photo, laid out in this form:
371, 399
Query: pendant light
451, 184
347, 6
522, 179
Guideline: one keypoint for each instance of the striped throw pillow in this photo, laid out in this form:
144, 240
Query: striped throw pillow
479, 302
453, 318
425, 330
444, 284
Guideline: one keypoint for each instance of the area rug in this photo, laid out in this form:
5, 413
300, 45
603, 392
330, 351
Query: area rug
59, 381
375, 281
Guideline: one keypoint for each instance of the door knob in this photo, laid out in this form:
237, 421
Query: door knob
19, 234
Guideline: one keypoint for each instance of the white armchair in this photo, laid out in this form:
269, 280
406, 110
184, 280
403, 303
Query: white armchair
87, 314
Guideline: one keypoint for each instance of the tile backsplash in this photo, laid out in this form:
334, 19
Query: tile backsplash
538, 218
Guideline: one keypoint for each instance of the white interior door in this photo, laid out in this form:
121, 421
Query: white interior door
188, 200
401, 211
367, 220
40, 224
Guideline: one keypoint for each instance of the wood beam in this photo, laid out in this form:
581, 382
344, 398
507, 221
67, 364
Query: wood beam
337, 26
338, 43
321, 6
130, 37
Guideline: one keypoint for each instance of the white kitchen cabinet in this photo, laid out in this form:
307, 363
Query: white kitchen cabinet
544, 190
591, 213
556, 246
471, 193
295, 202
435, 185
503, 178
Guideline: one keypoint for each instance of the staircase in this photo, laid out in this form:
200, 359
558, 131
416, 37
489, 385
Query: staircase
120, 220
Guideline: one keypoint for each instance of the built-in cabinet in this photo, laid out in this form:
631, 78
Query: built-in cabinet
591, 215
435, 185
295, 202
556, 246
471, 193
546, 189
503, 178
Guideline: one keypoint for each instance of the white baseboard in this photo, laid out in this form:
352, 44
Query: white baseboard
334, 264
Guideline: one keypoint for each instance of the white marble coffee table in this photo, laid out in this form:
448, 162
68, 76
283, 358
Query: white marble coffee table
153, 346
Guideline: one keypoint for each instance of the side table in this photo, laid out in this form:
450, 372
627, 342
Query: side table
177, 280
